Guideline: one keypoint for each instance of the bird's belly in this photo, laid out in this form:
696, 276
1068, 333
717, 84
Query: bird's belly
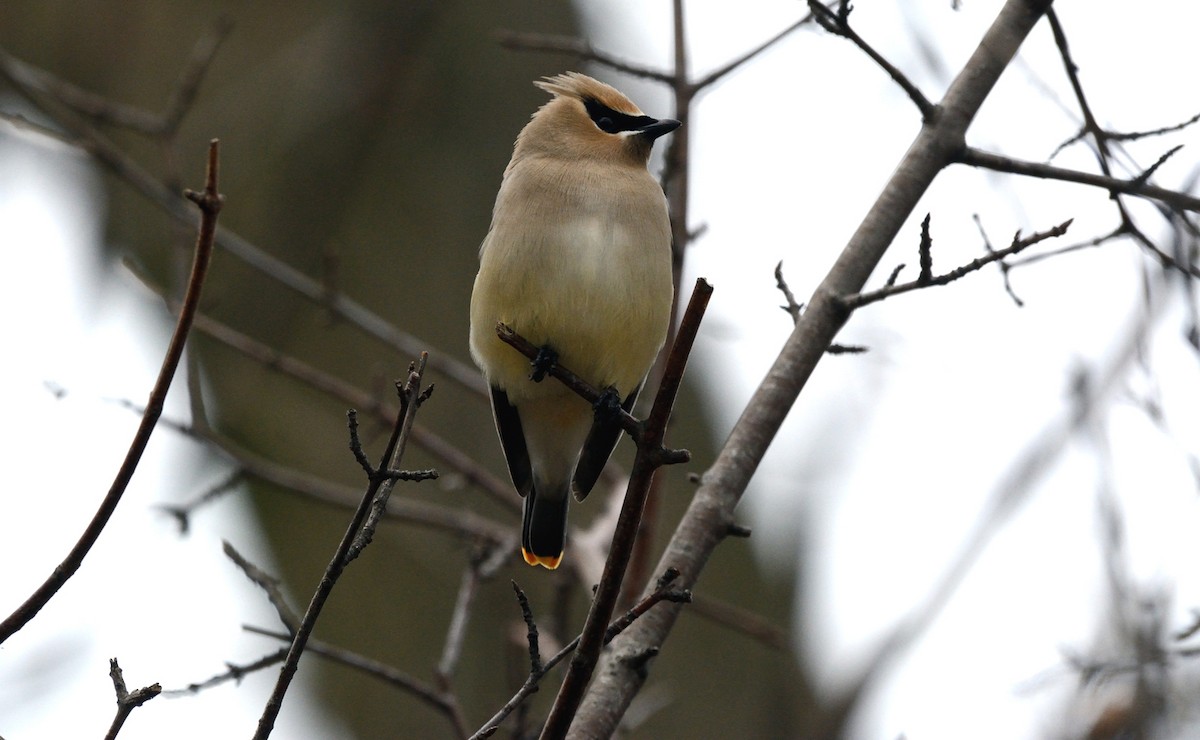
590, 291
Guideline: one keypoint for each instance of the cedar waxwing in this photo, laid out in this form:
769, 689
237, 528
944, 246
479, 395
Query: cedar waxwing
577, 261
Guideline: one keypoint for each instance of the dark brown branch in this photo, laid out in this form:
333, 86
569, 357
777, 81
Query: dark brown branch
978, 158
523, 41
411, 395
858, 300
650, 456
839, 24
793, 308
209, 201
566, 376
127, 700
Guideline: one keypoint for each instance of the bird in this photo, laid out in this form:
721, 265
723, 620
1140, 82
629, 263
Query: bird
578, 261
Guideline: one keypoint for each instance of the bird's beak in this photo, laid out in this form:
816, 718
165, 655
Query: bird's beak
655, 129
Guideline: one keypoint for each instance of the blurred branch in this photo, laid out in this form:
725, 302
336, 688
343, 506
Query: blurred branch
547, 42
232, 672
127, 170
209, 201
459, 522
127, 701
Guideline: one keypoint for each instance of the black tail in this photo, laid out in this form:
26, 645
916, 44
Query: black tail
544, 528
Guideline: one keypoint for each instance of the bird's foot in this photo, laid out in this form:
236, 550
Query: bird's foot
608, 405
546, 359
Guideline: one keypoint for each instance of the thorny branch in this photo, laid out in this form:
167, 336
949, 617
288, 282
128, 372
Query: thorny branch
927, 279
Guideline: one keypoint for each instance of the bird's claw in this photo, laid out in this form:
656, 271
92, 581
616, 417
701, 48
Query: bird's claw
607, 405
546, 359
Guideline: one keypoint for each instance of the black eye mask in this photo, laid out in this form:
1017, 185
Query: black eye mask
611, 121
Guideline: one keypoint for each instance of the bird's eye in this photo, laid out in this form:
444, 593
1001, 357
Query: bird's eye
606, 124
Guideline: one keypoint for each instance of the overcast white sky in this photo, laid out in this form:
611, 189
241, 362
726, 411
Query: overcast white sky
886, 462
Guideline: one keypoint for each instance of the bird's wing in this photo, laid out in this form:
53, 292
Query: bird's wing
597, 448
512, 439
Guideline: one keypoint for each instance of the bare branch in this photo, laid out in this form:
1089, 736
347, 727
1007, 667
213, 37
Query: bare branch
839, 25
209, 201
410, 401
524, 41
127, 701
978, 158
858, 300
711, 510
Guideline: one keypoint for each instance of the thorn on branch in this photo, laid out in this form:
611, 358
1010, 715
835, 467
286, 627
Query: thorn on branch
925, 252
738, 530
895, 274
792, 307
535, 655
1143, 178
858, 300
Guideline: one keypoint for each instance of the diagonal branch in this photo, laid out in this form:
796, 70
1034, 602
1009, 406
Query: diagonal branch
209, 202
411, 396
650, 456
706, 522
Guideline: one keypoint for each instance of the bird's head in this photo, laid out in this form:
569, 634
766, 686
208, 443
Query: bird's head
589, 120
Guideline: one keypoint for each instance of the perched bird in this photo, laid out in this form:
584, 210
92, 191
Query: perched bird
577, 261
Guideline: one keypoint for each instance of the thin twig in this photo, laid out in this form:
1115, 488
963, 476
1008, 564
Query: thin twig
979, 158
268, 583
410, 396
839, 25
524, 41
858, 300
538, 670
127, 701
232, 672
1005, 266
209, 202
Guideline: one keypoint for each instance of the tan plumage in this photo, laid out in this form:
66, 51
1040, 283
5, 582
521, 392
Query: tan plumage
578, 260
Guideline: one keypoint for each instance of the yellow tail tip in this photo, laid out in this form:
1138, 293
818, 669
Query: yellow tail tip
546, 561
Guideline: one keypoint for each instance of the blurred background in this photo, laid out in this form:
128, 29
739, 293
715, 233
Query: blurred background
361, 148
